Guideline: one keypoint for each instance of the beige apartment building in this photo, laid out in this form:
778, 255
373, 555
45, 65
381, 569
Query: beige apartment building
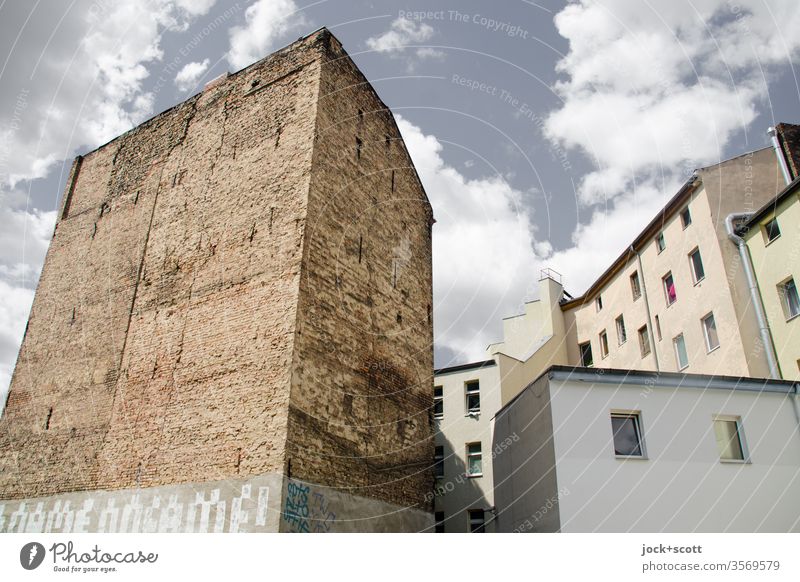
773, 241
679, 299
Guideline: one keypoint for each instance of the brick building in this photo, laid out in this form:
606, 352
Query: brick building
232, 330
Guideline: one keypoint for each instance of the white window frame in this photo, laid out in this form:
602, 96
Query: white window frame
438, 399
786, 303
471, 392
693, 267
684, 213
598, 303
622, 333
580, 354
636, 290
703, 320
677, 354
765, 230
745, 460
470, 456
661, 242
603, 345
470, 521
666, 288
644, 340
636, 415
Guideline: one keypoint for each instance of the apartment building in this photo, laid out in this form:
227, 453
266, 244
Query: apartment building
772, 237
677, 300
465, 400
606, 450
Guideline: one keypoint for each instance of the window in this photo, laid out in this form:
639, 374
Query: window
438, 462
473, 392
710, 331
603, 343
586, 354
789, 298
477, 521
627, 431
669, 289
598, 303
680, 352
696, 261
359, 145
686, 217
439, 520
771, 230
658, 328
474, 460
622, 337
438, 402
636, 288
730, 444
644, 341
661, 243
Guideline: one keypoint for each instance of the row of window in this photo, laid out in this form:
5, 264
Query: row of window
474, 460
628, 436
472, 399
667, 281
477, 521
707, 322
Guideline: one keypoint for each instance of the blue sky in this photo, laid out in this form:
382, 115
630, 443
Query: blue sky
546, 133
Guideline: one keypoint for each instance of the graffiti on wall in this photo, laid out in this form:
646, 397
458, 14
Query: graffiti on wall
307, 510
184, 508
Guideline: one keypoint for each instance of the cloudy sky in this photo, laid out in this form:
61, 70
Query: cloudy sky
546, 133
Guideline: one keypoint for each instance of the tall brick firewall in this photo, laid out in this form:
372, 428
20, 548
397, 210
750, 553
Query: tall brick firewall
232, 290
361, 393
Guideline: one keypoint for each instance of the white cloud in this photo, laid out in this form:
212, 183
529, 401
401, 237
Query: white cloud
659, 88
400, 38
265, 22
483, 260
187, 78
86, 86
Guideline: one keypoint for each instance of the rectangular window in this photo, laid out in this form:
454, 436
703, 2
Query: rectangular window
627, 431
686, 217
644, 341
477, 521
669, 289
636, 288
681, 357
438, 462
474, 460
696, 262
789, 298
438, 402
439, 520
586, 354
598, 303
771, 230
728, 432
658, 328
473, 395
661, 242
359, 146
622, 337
603, 343
710, 331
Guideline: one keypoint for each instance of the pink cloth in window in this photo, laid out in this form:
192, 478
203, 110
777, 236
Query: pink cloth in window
671, 293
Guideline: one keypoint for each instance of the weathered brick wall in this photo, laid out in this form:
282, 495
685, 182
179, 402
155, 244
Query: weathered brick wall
361, 390
180, 256
232, 291
789, 139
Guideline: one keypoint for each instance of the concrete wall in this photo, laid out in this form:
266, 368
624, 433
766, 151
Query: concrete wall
773, 263
234, 505
525, 478
681, 485
455, 493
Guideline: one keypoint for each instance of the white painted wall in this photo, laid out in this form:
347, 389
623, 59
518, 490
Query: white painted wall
682, 486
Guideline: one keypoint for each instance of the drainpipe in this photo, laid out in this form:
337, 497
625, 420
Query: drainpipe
773, 133
755, 298
653, 346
